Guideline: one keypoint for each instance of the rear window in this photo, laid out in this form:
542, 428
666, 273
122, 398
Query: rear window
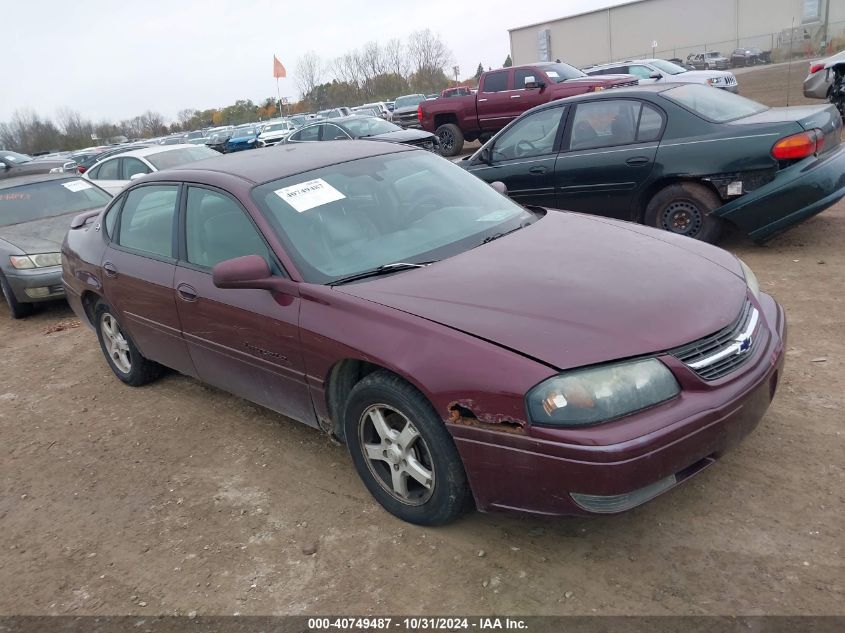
408, 102
712, 104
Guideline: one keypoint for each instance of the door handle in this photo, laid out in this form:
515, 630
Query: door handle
538, 170
515, 96
186, 292
110, 270
481, 100
637, 160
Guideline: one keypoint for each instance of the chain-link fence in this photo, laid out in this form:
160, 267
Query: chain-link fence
789, 44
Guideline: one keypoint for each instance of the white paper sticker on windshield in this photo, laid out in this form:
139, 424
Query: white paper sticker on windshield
76, 185
10, 158
308, 195
552, 73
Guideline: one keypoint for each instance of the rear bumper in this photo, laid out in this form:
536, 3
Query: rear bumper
795, 194
37, 284
513, 472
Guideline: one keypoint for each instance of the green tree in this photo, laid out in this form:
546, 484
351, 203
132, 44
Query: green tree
508, 63
479, 71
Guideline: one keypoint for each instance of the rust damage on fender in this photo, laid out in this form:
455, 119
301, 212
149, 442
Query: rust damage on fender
465, 412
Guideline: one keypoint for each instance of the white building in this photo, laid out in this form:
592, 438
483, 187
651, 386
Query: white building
675, 28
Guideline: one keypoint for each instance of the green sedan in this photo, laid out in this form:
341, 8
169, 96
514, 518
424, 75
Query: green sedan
685, 158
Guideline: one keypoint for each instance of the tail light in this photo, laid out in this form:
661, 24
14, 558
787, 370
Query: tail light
814, 68
799, 145
419, 113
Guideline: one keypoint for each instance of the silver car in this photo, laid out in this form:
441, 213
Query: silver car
35, 213
660, 71
820, 79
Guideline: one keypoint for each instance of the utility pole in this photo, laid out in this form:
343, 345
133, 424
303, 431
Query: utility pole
457, 70
826, 23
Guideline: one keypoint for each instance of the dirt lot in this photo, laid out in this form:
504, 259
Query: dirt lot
177, 497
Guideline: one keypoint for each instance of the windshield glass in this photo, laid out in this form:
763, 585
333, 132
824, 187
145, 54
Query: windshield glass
14, 158
561, 72
403, 207
243, 131
275, 127
37, 200
668, 67
408, 101
176, 157
363, 126
715, 105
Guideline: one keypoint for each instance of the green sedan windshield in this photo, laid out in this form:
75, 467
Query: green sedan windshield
37, 200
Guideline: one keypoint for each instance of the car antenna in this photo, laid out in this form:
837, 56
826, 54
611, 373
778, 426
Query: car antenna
789, 66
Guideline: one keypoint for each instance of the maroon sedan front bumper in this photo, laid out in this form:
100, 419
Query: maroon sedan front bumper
615, 466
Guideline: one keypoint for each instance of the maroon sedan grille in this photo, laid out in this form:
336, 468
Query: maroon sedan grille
717, 355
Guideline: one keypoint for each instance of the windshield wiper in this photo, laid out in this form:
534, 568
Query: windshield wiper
496, 236
384, 269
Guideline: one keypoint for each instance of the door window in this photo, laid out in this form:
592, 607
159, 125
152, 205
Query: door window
532, 136
520, 74
217, 229
132, 166
496, 82
643, 72
146, 222
651, 124
311, 133
108, 170
604, 123
334, 133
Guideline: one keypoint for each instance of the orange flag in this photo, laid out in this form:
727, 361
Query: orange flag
278, 69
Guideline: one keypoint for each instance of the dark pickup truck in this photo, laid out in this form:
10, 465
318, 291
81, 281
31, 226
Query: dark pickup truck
502, 96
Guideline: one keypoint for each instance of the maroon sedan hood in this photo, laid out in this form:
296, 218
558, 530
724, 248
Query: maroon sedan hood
574, 290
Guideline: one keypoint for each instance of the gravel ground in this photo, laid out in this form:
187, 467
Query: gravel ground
177, 497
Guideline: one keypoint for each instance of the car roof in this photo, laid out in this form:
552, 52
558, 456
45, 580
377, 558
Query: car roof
154, 149
273, 163
14, 181
633, 91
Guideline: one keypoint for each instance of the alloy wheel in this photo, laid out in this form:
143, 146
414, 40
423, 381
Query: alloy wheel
396, 454
447, 140
116, 344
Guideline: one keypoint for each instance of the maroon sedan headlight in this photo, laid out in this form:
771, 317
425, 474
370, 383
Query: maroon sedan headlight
598, 394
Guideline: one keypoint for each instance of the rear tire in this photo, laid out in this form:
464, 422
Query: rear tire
403, 452
451, 139
686, 209
122, 355
17, 309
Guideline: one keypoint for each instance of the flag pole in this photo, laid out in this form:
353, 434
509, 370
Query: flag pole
279, 94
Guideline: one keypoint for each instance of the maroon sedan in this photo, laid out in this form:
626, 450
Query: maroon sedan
463, 346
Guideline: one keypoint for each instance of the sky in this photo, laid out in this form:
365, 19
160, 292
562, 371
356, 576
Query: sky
113, 60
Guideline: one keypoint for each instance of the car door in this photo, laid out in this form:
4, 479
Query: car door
608, 155
494, 100
523, 157
107, 175
528, 97
244, 341
138, 267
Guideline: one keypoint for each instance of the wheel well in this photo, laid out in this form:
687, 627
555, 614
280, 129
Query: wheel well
440, 119
89, 301
652, 190
343, 376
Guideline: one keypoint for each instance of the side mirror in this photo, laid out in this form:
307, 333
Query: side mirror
136, 176
251, 271
486, 155
499, 186
531, 83
655, 75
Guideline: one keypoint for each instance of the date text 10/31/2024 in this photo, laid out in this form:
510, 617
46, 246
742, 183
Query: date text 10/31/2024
417, 624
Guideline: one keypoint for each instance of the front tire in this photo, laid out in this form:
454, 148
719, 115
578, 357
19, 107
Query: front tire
122, 355
17, 309
686, 209
403, 452
451, 139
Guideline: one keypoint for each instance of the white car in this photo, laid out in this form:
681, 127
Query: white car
115, 172
273, 133
381, 108
650, 71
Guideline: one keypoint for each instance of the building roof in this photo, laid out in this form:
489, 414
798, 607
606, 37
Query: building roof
578, 15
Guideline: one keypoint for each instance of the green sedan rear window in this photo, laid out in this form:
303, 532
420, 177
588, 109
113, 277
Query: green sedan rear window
713, 104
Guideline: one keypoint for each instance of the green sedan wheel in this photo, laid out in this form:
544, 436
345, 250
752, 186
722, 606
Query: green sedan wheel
686, 209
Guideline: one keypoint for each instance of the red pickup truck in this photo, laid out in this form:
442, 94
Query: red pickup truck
502, 96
